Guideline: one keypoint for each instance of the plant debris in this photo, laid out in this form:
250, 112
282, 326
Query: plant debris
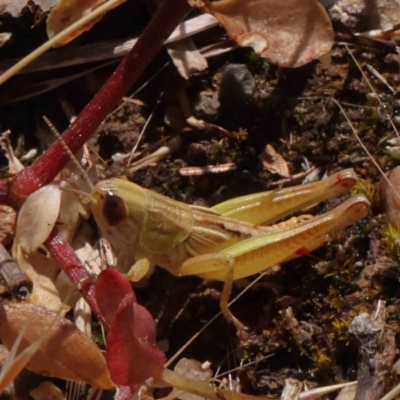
279, 31
274, 162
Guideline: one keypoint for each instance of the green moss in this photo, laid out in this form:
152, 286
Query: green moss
370, 121
247, 357
365, 187
259, 62
340, 329
391, 236
324, 362
298, 115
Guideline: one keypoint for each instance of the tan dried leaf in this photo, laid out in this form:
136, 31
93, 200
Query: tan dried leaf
288, 33
43, 272
68, 12
274, 162
37, 217
65, 353
15, 363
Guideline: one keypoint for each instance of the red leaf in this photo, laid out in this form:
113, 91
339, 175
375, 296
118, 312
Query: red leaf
110, 289
132, 353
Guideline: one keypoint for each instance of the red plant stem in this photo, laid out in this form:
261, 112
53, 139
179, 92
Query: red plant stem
45, 168
76, 272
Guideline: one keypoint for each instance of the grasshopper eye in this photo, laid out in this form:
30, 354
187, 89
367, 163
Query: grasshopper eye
114, 209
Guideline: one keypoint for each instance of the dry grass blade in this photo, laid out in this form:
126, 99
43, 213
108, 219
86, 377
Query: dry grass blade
106, 50
321, 391
53, 41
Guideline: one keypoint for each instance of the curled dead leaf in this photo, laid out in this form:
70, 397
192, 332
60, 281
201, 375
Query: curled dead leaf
288, 33
64, 353
37, 217
274, 162
69, 11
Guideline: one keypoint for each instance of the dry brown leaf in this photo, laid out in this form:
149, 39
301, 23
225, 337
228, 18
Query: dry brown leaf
68, 12
16, 362
65, 353
37, 217
47, 391
43, 272
274, 162
289, 33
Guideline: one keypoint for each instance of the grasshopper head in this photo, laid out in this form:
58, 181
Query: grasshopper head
130, 215
119, 210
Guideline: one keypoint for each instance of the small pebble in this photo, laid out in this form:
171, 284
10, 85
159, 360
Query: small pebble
237, 85
206, 106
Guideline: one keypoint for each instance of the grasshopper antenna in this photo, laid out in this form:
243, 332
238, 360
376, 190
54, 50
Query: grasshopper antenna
84, 175
144, 129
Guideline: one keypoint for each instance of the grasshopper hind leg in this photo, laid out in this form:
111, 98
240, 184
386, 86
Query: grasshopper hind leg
268, 207
212, 263
224, 304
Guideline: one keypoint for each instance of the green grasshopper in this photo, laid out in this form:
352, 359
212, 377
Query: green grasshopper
226, 242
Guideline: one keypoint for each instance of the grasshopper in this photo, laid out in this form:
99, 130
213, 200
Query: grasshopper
228, 241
